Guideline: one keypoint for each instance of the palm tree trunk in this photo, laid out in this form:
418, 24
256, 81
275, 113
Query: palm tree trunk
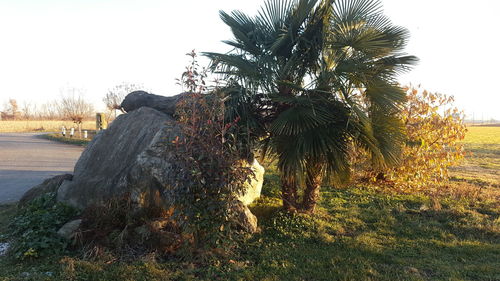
289, 193
314, 178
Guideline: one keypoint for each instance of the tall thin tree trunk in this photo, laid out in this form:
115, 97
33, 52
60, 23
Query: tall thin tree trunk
314, 178
289, 193
80, 129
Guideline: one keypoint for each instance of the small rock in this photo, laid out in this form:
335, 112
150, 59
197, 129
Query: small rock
48, 185
412, 269
254, 186
4, 247
245, 219
68, 230
424, 207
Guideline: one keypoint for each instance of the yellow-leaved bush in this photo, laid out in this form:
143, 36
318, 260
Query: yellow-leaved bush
434, 129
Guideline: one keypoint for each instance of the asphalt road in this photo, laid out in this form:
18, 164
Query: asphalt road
26, 160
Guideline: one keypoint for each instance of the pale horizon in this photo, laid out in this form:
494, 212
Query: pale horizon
95, 45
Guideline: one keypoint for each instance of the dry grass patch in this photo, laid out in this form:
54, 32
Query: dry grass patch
21, 126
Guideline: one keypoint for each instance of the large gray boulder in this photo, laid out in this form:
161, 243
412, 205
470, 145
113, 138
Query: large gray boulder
103, 170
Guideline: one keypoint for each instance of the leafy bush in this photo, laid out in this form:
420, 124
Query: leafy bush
434, 129
207, 163
34, 228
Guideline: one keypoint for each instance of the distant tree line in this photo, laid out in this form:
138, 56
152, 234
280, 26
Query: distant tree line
71, 105
30, 111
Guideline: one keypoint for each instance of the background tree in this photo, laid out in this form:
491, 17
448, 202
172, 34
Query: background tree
11, 110
324, 75
115, 96
28, 110
50, 110
75, 107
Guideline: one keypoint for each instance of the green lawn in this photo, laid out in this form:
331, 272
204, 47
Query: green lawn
75, 140
358, 234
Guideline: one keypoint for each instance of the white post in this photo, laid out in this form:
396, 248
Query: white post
72, 132
85, 135
63, 131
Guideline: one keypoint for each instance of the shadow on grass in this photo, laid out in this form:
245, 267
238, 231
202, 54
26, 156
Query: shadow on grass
361, 235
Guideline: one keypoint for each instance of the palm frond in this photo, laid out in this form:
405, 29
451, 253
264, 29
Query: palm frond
388, 129
298, 119
355, 10
235, 64
243, 29
288, 34
386, 95
274, 13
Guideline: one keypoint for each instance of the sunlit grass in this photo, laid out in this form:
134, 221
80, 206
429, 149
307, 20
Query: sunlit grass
482, 162
482, 135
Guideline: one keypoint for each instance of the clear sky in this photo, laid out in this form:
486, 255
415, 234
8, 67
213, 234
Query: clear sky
47, 45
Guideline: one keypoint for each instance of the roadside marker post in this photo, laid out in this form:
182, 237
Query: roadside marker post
100, 122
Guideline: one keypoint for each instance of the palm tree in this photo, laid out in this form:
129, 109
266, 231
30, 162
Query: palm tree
311, 77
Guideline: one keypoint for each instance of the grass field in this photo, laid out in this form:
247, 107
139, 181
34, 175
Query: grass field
482, 163
19, 126
358, 234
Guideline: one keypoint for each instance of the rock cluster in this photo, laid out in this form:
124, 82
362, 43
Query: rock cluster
129, 158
